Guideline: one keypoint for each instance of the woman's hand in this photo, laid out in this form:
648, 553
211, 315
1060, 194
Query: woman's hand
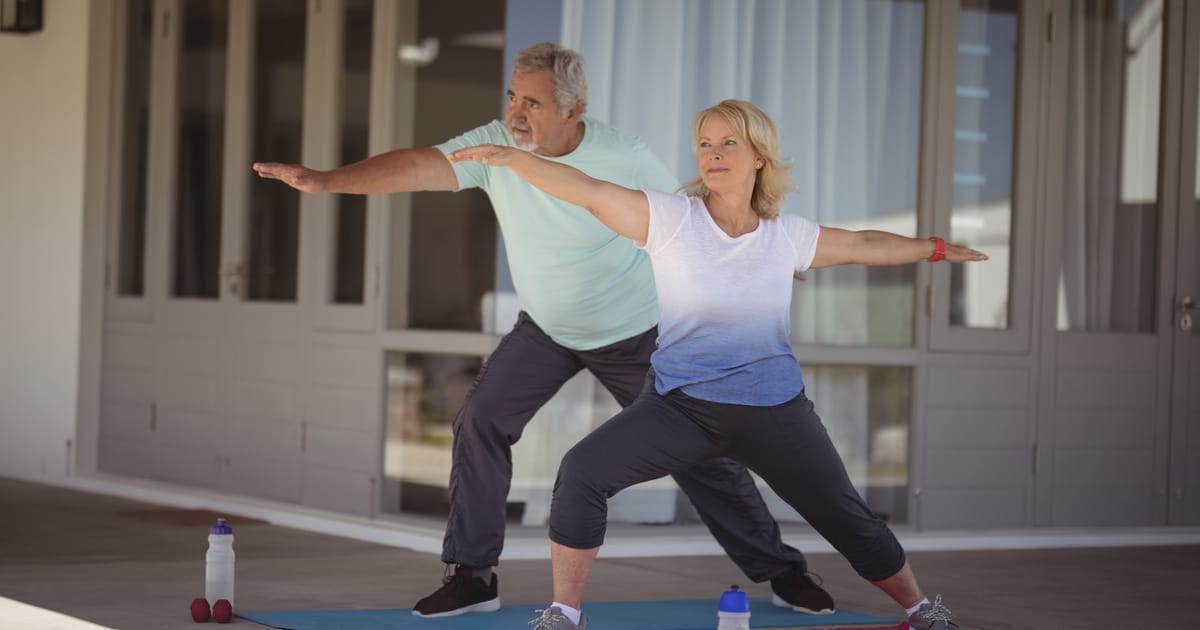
488, 154
958, 253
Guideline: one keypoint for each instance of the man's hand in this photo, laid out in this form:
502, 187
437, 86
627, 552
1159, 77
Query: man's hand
488, 154
297, 176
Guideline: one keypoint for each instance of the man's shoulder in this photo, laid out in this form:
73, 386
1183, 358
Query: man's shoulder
493, 132
605, 135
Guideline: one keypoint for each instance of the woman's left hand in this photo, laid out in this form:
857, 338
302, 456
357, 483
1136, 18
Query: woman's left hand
958, 253
488, 154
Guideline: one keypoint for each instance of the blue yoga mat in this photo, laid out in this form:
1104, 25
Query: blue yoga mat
686, 614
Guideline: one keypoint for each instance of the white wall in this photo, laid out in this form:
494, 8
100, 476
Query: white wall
43, 103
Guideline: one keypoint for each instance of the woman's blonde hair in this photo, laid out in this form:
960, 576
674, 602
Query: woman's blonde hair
772, 181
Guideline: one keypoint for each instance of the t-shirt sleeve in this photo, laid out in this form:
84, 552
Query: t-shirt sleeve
667, 214
474, 174
803, 234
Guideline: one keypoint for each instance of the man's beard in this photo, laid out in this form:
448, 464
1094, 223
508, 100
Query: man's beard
524, 145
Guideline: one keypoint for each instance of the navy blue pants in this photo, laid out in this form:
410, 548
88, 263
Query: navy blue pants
520, 376
786, 445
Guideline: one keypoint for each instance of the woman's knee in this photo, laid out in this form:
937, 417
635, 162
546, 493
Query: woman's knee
582, 469
579, 508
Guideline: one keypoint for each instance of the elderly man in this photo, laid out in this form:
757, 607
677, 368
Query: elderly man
588, 301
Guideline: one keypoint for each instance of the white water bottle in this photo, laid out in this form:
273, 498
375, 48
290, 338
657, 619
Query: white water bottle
218, 573
733, 612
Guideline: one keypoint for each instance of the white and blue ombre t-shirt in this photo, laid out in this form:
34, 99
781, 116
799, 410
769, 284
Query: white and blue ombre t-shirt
584, 285
724, 302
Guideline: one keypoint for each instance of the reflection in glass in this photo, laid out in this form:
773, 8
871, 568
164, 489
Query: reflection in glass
350, 233
848, 106
201, 149
1110, 215
450, 282
424, 394
273, 218
131, 235
1196, 222
983, 151
868, 413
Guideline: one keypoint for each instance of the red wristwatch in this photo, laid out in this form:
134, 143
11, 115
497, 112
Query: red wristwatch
939, 248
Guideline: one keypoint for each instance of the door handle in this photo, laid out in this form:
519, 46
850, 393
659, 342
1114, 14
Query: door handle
1186, 306
232, 273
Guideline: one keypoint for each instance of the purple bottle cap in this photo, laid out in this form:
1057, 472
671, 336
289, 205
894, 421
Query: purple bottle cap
734, 601
220, 528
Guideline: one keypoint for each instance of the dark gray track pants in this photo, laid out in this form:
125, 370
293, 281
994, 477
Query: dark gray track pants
786, 445
520, 376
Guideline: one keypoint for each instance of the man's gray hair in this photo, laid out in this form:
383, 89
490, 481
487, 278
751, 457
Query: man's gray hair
570, 84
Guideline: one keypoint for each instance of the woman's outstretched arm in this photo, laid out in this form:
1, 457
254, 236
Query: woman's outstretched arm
624, 210
836, 246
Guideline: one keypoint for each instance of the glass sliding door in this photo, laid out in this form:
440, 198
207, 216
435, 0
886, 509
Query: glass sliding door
130, 245
348, 269
1104, 252
273, 217
199, 157
1109, 237
843, 79
984, 135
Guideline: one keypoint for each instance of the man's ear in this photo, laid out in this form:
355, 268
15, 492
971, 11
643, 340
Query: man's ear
575, 112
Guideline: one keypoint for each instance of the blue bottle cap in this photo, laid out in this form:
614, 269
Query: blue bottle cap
734, 601
220, 528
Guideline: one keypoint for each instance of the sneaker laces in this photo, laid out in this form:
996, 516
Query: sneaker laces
936, 612
548, 617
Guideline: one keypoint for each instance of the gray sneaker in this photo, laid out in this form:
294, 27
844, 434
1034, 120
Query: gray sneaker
553, 619
933, 616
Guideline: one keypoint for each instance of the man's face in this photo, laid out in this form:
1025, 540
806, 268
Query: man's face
533, 117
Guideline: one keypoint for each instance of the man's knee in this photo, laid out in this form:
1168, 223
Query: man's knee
479, 417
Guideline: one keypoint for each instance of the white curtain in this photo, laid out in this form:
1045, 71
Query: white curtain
842, 80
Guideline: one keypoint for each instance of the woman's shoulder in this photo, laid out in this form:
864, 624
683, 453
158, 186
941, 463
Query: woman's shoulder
793, 221
675, 199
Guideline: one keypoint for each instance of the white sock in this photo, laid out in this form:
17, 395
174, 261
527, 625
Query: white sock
917, 607
571, 613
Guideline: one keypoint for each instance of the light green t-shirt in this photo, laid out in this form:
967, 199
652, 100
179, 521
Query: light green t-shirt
584, 285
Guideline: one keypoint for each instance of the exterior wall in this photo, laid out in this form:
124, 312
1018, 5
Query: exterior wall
307, 404
42, 134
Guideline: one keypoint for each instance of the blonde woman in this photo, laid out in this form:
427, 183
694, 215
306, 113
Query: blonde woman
724, 381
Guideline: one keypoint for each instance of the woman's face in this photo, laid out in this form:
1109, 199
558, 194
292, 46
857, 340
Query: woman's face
724, 157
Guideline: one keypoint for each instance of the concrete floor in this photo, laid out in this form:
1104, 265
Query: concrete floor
130, 565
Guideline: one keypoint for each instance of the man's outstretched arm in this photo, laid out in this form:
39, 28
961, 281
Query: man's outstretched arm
402, 170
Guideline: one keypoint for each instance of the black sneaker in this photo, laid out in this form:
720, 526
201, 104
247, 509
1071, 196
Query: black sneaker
460, 593
796, 590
